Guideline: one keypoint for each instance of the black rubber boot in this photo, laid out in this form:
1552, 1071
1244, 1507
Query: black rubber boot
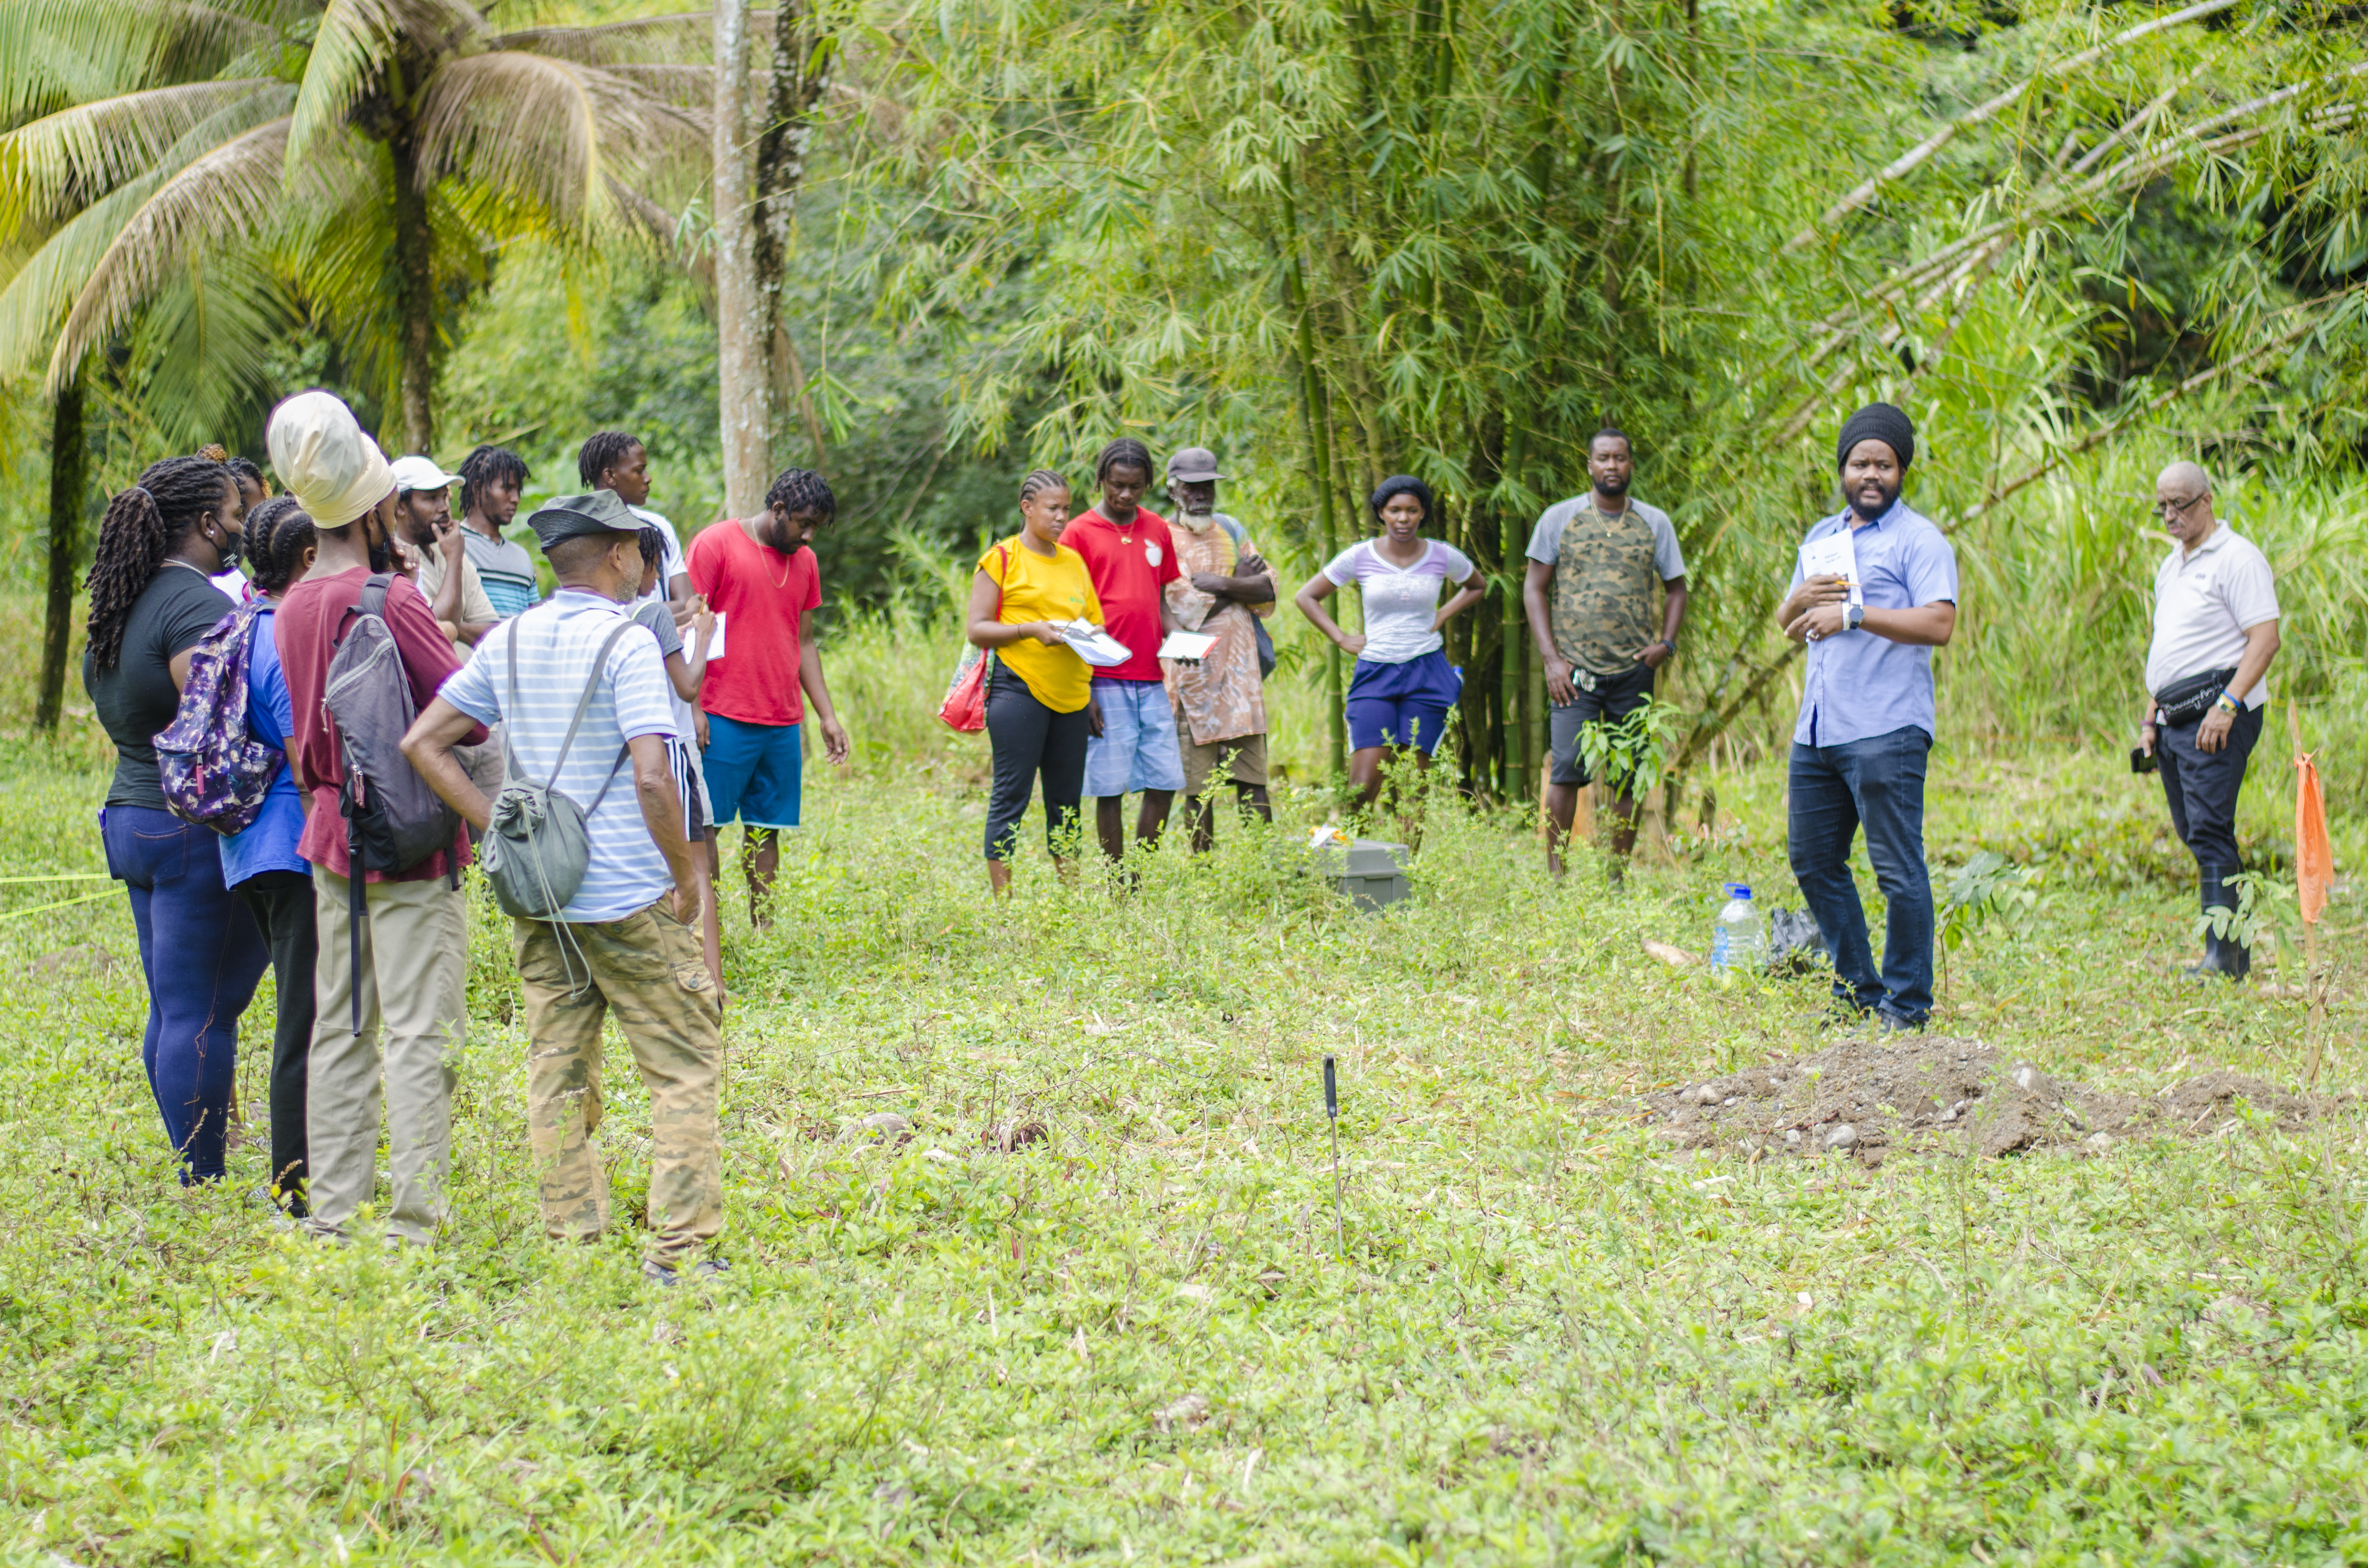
2225, 957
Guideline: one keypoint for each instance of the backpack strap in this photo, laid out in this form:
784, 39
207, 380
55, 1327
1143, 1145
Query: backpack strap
591, 683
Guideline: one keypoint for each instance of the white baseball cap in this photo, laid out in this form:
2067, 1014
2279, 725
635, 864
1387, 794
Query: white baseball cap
421, 473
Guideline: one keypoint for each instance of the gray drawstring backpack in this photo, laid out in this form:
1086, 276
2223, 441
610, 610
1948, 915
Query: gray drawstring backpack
537, 849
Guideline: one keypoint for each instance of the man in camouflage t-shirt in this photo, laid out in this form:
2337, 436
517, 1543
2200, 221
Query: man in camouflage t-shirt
1593, 561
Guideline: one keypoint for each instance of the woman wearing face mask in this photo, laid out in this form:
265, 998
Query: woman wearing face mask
150, 604
1403, 686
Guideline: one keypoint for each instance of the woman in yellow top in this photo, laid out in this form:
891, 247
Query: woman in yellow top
1037, 691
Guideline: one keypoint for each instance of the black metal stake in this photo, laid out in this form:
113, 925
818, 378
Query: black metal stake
1332, 1114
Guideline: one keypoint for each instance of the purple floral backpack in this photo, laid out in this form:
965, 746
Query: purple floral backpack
214, 772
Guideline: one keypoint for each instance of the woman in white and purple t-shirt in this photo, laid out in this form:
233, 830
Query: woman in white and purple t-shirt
1403, 686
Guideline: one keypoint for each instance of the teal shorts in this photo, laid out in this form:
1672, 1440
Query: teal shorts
756, 773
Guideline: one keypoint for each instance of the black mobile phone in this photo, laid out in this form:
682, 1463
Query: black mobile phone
2141, 760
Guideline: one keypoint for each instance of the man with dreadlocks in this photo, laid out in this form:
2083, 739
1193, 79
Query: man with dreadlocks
612, 460
1130, 727
760, 577
150, 604
492, 478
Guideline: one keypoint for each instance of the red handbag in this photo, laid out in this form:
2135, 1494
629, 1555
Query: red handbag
964, 707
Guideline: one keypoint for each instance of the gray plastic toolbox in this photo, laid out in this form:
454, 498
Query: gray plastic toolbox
1368, 872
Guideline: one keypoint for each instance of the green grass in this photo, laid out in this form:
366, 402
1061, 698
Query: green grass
1545, 1343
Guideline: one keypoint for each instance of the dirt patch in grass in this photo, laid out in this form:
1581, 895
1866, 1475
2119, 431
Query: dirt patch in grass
1871, 1100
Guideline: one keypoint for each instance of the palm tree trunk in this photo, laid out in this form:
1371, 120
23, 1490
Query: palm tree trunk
68, 456
743, 370
416, 286
799, 76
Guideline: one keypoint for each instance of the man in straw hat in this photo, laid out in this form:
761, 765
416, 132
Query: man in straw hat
585, 705
1867, 717
389, 988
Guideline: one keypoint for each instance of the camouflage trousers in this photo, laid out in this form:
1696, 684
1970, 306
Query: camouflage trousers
648, 969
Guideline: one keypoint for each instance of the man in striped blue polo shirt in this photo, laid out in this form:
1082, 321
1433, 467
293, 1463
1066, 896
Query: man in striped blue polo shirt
627, 939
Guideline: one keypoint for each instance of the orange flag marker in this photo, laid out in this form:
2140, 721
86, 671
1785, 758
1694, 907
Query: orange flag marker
2314, 872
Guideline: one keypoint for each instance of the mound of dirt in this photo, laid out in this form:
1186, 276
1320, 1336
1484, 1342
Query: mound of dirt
1869, 1101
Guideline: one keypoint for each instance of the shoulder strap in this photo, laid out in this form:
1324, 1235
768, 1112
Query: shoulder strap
591, 683
1233, 530
372, 602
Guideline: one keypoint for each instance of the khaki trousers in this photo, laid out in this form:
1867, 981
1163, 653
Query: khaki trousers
414, 962
649, 969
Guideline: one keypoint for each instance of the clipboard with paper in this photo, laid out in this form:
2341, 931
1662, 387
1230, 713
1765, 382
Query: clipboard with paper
1834, 556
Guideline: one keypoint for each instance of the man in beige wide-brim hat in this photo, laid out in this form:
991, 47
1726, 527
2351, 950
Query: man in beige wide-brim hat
390, 986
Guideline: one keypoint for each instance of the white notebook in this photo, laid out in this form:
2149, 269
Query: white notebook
1834, 556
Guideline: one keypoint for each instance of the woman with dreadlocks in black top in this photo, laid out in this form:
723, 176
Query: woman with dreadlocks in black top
150, 604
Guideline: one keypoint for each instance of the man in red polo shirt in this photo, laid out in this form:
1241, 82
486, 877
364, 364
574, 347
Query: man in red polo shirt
403, 969
1131, 736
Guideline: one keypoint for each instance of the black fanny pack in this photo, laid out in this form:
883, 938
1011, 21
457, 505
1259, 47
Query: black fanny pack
2184, 702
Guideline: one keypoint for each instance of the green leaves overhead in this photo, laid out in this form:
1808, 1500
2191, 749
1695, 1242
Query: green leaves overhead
275, 134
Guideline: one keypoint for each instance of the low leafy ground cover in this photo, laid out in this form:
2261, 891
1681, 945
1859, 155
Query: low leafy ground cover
1547, 1340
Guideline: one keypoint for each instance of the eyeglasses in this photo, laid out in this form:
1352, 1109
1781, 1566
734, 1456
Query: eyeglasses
2172, 509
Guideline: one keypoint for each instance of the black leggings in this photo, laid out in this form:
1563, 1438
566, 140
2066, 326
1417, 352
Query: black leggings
1029, 739
281, 903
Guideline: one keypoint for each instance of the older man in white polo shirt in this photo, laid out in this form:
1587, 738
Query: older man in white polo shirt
2215, 631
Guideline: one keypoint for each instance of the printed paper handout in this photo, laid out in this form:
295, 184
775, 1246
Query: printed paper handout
1094, 645
1187, 645
714, 644
1834, 556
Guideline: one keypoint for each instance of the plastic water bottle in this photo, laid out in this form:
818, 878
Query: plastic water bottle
1740, 938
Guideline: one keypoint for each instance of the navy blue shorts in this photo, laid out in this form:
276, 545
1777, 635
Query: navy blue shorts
1402, 705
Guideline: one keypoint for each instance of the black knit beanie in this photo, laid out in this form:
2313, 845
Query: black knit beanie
1878, 422
1405, 485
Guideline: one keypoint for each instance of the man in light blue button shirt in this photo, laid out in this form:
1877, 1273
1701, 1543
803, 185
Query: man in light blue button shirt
1867, 721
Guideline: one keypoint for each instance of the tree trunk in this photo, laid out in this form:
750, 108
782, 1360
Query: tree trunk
800, 74
68, 458
742, 372
415, 296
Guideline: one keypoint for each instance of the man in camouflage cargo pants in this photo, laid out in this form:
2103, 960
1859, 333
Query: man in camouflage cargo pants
1588, 595
586, 708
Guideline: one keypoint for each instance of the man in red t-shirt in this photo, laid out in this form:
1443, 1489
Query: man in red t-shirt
760, 578
1131, 730
413, 945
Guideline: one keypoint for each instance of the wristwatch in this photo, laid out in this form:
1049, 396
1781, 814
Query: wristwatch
1853, 616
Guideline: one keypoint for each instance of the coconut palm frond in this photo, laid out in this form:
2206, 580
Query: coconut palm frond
686, 36
541, 127
63, 161
690, 89
43, 289
350, 49
217, 195
67, 51
202, 353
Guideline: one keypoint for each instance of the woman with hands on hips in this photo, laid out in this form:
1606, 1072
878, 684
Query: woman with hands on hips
1403, 685
1037, 687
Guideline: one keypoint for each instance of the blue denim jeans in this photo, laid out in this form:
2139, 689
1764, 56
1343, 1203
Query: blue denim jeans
1877, 783
202, 956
